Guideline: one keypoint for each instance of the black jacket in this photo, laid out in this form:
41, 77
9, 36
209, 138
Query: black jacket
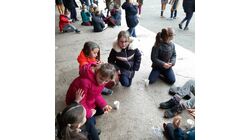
126, 60
131, 14
98, 23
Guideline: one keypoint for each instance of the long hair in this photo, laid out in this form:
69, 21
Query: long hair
69, 120
158, 39
90, 46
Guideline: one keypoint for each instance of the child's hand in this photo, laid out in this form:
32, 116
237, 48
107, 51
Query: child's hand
167, 65
79, 95
93, 112
177, 121
107, 108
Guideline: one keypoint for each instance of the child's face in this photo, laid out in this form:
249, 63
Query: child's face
101, 80
94, 53
123, 42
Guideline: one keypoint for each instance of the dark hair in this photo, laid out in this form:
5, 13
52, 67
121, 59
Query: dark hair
90, 46
106, 70
68, 121
167, 34
158, 39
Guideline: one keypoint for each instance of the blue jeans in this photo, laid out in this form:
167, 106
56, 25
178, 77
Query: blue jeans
131, 31
168, 74
125, 80
69, 28
91, 129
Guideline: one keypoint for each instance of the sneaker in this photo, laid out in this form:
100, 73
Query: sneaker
77, 31
180, 26
169, 104
170, 113
107, 91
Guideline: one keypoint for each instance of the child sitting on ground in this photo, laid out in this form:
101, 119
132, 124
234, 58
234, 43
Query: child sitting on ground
85, 14
65, 24
71, 119
116, 14
126, 57
98, 22
91, 54
174, 132
92, 80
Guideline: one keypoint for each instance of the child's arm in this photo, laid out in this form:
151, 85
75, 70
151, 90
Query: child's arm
137, 60
79, 95
173, 57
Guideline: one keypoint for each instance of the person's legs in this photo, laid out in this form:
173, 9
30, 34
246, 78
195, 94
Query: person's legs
73, 14
131, 31
169, 75
69, 28
139, 9
175, 14
189, 16
169, 131
125, 81
180, 25
91, 129
163, 7
153, 76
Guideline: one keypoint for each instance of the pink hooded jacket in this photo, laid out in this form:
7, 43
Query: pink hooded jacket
92, 90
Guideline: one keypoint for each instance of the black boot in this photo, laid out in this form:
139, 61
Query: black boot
161, 13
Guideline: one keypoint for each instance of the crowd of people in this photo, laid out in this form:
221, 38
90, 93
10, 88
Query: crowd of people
84, 97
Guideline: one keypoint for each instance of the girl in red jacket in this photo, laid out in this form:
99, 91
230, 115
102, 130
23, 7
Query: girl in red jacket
92, 80
65, 24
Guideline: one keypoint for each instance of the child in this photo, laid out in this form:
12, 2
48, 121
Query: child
126, 58
163, 57
131, 16
174, 132
174, 6
91, 54
71, 119
108, 6
85, 16
92, 80
163, 6
65, 24
116, 14
98, 22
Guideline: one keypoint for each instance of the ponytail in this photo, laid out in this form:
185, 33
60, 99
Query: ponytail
158, 39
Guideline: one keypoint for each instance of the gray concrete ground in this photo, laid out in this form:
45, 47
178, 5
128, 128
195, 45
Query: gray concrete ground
139, 116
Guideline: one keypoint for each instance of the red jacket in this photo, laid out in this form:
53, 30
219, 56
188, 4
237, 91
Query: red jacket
92, 90
83, 59
64, 20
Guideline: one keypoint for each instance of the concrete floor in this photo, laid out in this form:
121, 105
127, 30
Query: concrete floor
139, 116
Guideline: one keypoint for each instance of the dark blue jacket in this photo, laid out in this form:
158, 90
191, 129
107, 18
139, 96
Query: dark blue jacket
98, 23
131, 14
188, 6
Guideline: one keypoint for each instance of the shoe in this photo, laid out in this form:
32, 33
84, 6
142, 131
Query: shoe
180, 26
174, 17
170, 18
169, 104
99, 131
77, 31
170, 113
107, 91
186, 97
186, 28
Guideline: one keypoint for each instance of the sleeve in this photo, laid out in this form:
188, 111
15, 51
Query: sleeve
154, 56
112, 58
173, 57
100, 101
133, 9
137, 62
70, 96
179, 134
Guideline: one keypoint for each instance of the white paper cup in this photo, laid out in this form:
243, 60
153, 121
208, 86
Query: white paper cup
190, 123
116, 105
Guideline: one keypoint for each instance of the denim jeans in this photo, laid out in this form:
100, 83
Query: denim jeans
131, 31
91, 129
125, 80
168, 74
69, 28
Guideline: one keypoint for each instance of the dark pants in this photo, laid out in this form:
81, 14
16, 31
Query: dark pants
187, 18
91, 129
169, 130
73, 13
131, 31
168, 74
125, 81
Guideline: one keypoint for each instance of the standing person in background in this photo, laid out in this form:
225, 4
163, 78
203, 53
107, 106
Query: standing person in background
71, 6
140, 3
189, 9
163, 6
59, 5
174, 7
131, 16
